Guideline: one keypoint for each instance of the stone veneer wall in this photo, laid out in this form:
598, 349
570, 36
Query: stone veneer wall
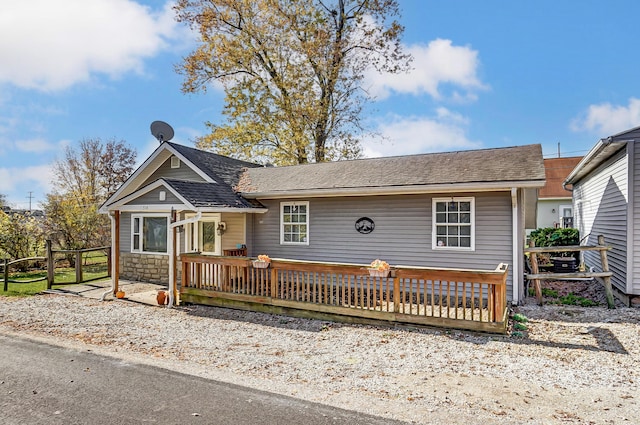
151, 268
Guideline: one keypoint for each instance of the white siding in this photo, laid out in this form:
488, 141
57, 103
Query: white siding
600, 208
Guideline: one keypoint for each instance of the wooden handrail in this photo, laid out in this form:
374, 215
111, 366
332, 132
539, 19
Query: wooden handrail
566, 248
408, 293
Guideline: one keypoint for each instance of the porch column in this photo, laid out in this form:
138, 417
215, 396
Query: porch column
115, 250
115, 253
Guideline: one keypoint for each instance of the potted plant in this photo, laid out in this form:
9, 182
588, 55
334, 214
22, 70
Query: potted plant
379, 268
262, 262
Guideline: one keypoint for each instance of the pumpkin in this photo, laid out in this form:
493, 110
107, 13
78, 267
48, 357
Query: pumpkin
120, 294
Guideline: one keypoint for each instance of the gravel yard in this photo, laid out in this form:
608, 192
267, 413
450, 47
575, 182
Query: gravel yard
572, 365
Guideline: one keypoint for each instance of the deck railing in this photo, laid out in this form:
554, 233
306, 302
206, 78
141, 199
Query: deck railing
456, 298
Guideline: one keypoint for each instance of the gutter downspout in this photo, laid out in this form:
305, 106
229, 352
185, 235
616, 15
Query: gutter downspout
172, 259
516, 246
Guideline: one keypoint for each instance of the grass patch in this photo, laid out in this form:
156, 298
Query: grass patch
62, 276
520, 326
518, 317
573, 299
546, 292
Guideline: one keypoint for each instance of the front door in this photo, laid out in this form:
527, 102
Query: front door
566, 215
203, 236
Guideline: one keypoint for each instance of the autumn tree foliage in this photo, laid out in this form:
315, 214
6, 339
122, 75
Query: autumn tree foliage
84, 178
292, 72
21, 235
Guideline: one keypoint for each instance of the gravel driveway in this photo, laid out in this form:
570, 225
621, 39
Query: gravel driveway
572, 365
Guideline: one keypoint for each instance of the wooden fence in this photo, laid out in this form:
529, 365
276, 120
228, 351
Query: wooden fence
50, 260
464, 299
605, 274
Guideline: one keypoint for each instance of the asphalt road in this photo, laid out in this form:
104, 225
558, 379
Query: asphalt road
45, 384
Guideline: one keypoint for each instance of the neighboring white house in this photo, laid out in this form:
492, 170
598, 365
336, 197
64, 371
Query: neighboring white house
555, 207
606, 201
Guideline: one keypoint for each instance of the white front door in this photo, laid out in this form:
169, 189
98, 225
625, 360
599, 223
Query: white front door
203, 237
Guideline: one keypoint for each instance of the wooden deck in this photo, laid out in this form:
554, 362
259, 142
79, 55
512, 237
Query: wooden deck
451, 298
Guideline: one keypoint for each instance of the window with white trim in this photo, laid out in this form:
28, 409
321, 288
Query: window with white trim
294, 223
454, 224
149, 233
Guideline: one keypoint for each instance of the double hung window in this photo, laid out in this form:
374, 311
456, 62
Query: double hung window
453, 223
294, 223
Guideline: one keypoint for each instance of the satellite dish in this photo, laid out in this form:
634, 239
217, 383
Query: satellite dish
161, 131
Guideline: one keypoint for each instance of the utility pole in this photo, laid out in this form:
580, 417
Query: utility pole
30, 197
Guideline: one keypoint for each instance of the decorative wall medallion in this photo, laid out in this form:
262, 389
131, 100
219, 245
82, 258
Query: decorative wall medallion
365, 225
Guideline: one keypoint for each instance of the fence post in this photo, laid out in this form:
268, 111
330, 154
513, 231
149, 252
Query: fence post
109, 262
78, 266
50, 264
607, 279
6, 274
534, 269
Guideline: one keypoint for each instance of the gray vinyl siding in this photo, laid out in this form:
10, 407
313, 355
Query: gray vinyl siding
402, 235
125, 232
600, 208
634, 283
165, 171
153, 198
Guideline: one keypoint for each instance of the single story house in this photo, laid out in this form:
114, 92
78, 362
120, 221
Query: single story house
555, 208
465, 209
606, 201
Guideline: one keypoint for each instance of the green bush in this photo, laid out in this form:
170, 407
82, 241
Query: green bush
550, 236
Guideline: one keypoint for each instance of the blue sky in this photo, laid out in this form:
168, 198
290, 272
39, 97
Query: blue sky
487, 74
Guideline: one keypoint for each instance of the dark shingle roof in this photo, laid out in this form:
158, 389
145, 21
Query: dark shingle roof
512, 164
218, 167
210, 195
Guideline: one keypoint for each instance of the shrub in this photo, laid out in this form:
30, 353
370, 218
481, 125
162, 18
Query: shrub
550, 236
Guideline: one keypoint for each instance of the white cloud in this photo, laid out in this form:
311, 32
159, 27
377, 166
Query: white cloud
607, 119
445, 131
37, 177
51, 45
36, 145
435, 65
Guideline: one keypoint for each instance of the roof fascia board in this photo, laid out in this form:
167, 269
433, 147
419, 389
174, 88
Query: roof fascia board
158, 183
151, 208
403, 190
142, 173
191, 165
596, 156
555, 198
133, 177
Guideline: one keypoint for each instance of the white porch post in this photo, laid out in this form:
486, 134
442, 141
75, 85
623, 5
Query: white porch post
115, 253
172, 255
